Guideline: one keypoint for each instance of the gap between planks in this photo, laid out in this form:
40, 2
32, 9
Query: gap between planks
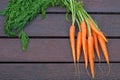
52, 62
53, 37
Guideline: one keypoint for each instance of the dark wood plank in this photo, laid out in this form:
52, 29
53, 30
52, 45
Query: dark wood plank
102, 5
54, 72
58, 26
3, 4
91, 6
47, 50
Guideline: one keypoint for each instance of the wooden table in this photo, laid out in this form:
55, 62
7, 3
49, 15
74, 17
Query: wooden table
49, 55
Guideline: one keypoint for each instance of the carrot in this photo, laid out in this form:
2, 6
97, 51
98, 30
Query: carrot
84, 41
96, 30
72, 41
104, 48
91, 54
79, 45
96, 44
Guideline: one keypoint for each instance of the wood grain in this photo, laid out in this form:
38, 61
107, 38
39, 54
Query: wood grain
91, 6
47, 50
54, 72
102, 5
58, 26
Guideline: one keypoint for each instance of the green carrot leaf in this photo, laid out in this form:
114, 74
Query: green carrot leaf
24, 40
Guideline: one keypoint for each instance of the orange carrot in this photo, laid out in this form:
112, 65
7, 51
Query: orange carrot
84, 41
79, 45
96, 44
104, 48
72, 41
96, 30
91, 54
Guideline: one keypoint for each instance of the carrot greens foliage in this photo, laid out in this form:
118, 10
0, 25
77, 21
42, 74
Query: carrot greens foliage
19, 12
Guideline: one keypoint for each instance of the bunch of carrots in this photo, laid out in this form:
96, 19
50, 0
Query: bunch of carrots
88, 37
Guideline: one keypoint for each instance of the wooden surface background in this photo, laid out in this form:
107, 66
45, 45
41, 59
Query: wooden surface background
49, 55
